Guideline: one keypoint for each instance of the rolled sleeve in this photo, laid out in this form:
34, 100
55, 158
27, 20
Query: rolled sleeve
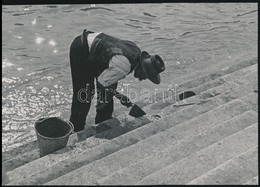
119, 67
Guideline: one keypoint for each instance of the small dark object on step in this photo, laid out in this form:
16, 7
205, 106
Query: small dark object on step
186, 94
156, 116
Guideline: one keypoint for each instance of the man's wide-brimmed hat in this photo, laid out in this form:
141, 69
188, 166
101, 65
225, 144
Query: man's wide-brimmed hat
152, 66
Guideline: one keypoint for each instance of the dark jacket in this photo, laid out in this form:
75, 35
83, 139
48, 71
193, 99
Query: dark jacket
105, 46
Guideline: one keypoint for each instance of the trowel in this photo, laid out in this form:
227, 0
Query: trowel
135, 111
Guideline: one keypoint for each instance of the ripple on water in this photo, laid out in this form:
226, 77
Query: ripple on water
52, 6
6, 63
7, 80
19, 24
22, 14
96, 8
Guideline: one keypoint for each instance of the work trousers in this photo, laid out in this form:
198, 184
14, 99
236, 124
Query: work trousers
83, 75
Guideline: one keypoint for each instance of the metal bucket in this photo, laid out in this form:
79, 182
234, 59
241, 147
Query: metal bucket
52, 134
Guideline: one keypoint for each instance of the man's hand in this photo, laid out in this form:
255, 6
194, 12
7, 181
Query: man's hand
111, 91
123, 99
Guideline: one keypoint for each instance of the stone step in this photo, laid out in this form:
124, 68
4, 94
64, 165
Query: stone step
229, 88
33, 151
231, 77
236, 70
19, 150
35, 154
219, 68
198, 79
207, 106
191, 167
90, 173
252, 100
75, 151
21, 159
5, 178
223, 85
25, 153
220, 94
237, 170
253, 181
187, 146
90, 136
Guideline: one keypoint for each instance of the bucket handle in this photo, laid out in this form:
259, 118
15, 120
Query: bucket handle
72, 126
40, 120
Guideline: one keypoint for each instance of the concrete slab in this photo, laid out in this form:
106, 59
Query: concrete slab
5, 178
25, 153
252, 100
189, 145
231, 172
47, 161
244, 84
224, 67
249, 160
21, 159
253, 181
19, 150
195, 165
199, 87
220, 94
90, 173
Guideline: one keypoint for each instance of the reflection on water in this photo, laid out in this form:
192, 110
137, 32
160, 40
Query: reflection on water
36, 80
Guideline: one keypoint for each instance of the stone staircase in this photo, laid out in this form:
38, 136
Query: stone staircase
210, 138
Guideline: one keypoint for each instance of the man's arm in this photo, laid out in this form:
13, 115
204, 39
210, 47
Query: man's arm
119, 67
